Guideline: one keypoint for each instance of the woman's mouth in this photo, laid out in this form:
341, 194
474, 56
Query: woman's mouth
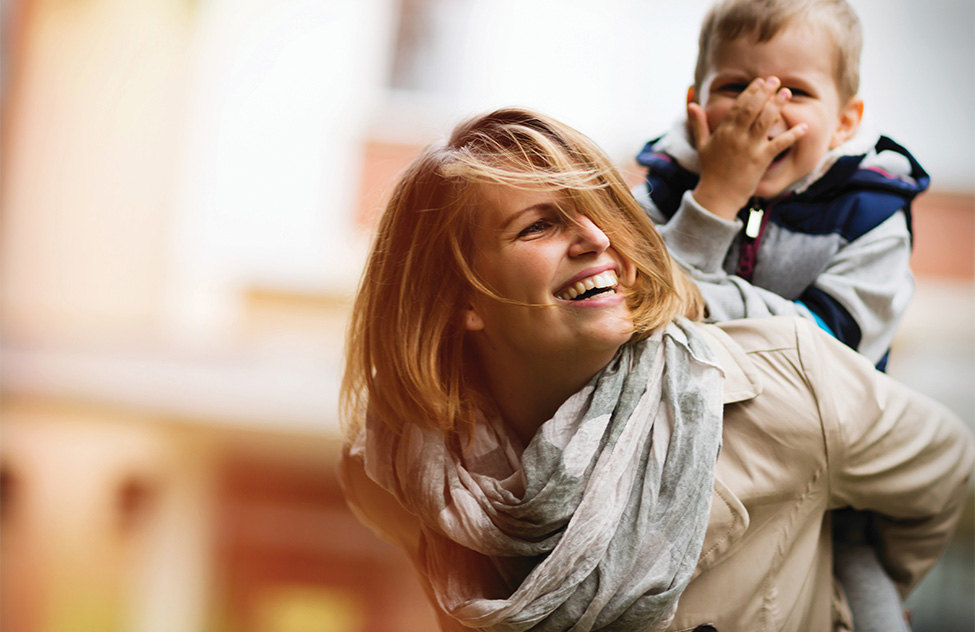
589, 287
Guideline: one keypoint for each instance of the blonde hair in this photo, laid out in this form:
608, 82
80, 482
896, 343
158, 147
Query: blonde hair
764, 19
407, 357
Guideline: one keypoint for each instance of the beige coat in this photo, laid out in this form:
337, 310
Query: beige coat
809, 426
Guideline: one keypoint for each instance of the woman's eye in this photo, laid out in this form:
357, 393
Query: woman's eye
536, 228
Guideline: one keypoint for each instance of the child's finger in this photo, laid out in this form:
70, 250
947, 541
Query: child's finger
786, 139
770, 113
749, 103
697, 120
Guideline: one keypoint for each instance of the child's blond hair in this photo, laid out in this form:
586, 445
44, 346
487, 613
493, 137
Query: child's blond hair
764, 19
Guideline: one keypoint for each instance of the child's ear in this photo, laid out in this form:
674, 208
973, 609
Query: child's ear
848, 122
472, 320
691, 95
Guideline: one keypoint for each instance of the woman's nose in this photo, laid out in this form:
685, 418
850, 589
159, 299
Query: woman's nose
588, 238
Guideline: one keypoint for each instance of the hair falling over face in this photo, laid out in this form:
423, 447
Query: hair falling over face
406, 357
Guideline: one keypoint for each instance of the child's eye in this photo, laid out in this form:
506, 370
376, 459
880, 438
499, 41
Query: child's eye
798, 92
733, 88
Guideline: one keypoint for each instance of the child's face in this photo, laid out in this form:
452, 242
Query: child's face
803, 59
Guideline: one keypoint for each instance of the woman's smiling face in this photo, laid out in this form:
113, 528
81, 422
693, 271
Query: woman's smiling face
533, 246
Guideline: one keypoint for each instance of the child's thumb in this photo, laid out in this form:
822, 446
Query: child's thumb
697, 121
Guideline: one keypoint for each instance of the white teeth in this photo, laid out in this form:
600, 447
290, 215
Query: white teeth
602, 280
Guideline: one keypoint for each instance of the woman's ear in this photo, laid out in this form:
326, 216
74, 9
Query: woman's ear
472, 320
848, 122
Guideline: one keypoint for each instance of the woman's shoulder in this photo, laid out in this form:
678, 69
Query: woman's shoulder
764, 355
773, 375
375, 506
774, 333
789, 350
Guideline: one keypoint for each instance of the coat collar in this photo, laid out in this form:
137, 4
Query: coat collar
741, 379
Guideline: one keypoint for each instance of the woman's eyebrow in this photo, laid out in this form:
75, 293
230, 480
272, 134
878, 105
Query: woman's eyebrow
541, 206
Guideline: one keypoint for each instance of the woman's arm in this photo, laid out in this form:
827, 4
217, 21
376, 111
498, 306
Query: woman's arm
891, 451
376, 507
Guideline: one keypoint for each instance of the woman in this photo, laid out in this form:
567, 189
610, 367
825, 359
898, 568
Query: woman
535, 423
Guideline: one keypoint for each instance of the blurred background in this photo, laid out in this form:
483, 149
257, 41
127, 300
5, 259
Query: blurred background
186, 199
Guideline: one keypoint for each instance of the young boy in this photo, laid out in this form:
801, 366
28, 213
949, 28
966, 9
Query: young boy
778, 201
771, 193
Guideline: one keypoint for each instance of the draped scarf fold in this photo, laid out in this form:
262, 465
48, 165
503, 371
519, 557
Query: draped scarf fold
597, 525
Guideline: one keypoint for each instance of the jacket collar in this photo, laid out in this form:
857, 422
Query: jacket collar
741, 379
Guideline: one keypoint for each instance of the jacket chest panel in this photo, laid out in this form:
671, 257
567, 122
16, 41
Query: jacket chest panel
788, 262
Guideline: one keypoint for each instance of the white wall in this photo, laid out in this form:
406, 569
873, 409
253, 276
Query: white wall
918, 79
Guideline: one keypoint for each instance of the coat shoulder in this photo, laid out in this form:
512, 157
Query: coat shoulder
758, 335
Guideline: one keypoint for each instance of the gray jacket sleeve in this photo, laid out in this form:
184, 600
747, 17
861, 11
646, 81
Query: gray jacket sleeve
869, 278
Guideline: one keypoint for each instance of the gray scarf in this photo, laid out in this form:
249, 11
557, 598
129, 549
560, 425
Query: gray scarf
597, 525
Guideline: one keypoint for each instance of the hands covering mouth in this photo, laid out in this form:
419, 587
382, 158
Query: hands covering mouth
781, 155
589, 287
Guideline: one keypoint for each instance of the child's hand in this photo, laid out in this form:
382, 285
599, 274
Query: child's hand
736, 155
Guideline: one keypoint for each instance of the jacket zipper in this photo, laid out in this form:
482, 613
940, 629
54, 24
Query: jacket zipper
755, 223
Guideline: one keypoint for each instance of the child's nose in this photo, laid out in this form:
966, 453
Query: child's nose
590, 239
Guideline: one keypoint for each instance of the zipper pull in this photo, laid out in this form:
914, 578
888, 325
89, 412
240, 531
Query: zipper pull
754, 224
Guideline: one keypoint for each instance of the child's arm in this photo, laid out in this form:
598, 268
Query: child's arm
862, 294
859, 297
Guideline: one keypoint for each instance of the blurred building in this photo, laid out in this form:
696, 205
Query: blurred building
186, 192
